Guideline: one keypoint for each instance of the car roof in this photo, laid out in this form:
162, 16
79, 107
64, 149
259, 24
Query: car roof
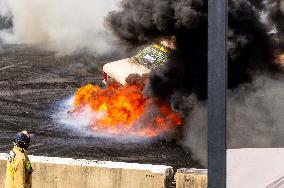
153, 56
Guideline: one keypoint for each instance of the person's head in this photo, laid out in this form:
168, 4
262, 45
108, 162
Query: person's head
22, 139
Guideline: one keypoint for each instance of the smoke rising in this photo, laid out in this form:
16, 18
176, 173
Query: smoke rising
5, 16
195, 132
142, 21
255, 114
254, 117
66, 26
249, 46
274, 9
185, 75
276, 13
4, 9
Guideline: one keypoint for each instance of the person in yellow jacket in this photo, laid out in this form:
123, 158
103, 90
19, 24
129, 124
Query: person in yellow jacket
19, 169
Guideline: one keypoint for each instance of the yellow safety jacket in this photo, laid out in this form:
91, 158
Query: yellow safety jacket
19, 169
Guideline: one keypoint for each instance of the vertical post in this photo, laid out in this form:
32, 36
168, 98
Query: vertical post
217, 85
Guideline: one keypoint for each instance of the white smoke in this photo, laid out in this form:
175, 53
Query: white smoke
256, 114
4, 8
196, 132
255, 117
65, 119
79, 122
66, 26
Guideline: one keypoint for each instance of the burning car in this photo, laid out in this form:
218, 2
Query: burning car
147, 59
121, 108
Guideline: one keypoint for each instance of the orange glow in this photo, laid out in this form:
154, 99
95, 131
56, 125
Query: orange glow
126, 111
282, 58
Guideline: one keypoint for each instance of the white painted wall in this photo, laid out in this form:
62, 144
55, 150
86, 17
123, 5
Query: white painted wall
255, 168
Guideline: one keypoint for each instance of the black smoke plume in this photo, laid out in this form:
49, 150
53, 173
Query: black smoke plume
249, 47
183, 80
274, 10
276, 13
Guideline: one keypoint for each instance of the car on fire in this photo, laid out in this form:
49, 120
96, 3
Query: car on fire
143, 62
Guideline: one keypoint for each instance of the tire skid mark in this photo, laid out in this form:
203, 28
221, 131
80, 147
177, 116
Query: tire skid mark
10, 66
25, 115
22, 104
21, 120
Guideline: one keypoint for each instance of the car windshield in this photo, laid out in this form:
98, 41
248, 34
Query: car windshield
153, 56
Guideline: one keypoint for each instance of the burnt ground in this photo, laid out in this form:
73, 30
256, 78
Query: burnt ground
33, 82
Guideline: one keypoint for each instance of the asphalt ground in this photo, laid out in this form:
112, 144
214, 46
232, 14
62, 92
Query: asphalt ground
33, 82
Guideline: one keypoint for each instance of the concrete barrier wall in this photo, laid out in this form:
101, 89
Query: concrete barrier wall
53, 172
59, 172
2, 173
191, 178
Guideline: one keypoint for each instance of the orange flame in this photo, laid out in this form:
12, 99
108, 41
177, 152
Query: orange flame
126, 111
281, 57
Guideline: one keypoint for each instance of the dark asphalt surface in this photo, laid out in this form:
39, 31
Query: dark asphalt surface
32, 84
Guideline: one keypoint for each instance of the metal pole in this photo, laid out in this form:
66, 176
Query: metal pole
217, 85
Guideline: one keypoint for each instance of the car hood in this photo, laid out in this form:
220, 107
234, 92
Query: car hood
120, 70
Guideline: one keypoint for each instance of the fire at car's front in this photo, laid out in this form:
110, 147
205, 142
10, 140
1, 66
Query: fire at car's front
124, 110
